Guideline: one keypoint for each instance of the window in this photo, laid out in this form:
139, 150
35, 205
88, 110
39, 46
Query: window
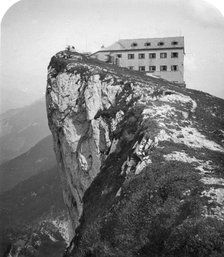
174, 43
131, 56
163, 55
174, 68
108, 58
147, 44
134, 44
141, 56
152, 56
141, 68
119, 55
131, 67
174, 55
160, 43
152, 68
163, 68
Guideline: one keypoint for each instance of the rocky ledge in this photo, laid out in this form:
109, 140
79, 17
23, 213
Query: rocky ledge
141, 161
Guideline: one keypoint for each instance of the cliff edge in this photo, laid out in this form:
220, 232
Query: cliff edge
141, 161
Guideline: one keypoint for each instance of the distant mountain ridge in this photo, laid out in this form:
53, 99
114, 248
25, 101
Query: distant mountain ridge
33, 218
12, 97
39, 158
21, 129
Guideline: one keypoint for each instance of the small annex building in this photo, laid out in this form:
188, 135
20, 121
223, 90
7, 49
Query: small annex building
163, 57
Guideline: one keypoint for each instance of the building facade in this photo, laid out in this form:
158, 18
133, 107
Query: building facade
163, 57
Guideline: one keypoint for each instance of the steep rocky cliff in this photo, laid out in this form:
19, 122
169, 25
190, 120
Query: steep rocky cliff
141, 161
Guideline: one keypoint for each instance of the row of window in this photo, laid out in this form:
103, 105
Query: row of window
151, 55
134, 44
153, 68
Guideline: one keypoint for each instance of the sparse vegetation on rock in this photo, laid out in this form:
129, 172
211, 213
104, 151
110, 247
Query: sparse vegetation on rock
141, 161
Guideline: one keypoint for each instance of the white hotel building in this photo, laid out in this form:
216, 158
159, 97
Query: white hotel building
164, 57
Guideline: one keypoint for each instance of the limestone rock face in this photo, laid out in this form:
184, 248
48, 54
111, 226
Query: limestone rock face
81, 141
141, 161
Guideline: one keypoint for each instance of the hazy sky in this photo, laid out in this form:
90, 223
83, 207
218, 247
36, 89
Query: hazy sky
34, 30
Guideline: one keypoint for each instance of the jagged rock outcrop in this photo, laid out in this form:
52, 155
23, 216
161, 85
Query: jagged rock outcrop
141, 161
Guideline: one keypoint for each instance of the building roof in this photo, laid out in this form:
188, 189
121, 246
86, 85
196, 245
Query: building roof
145, 43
